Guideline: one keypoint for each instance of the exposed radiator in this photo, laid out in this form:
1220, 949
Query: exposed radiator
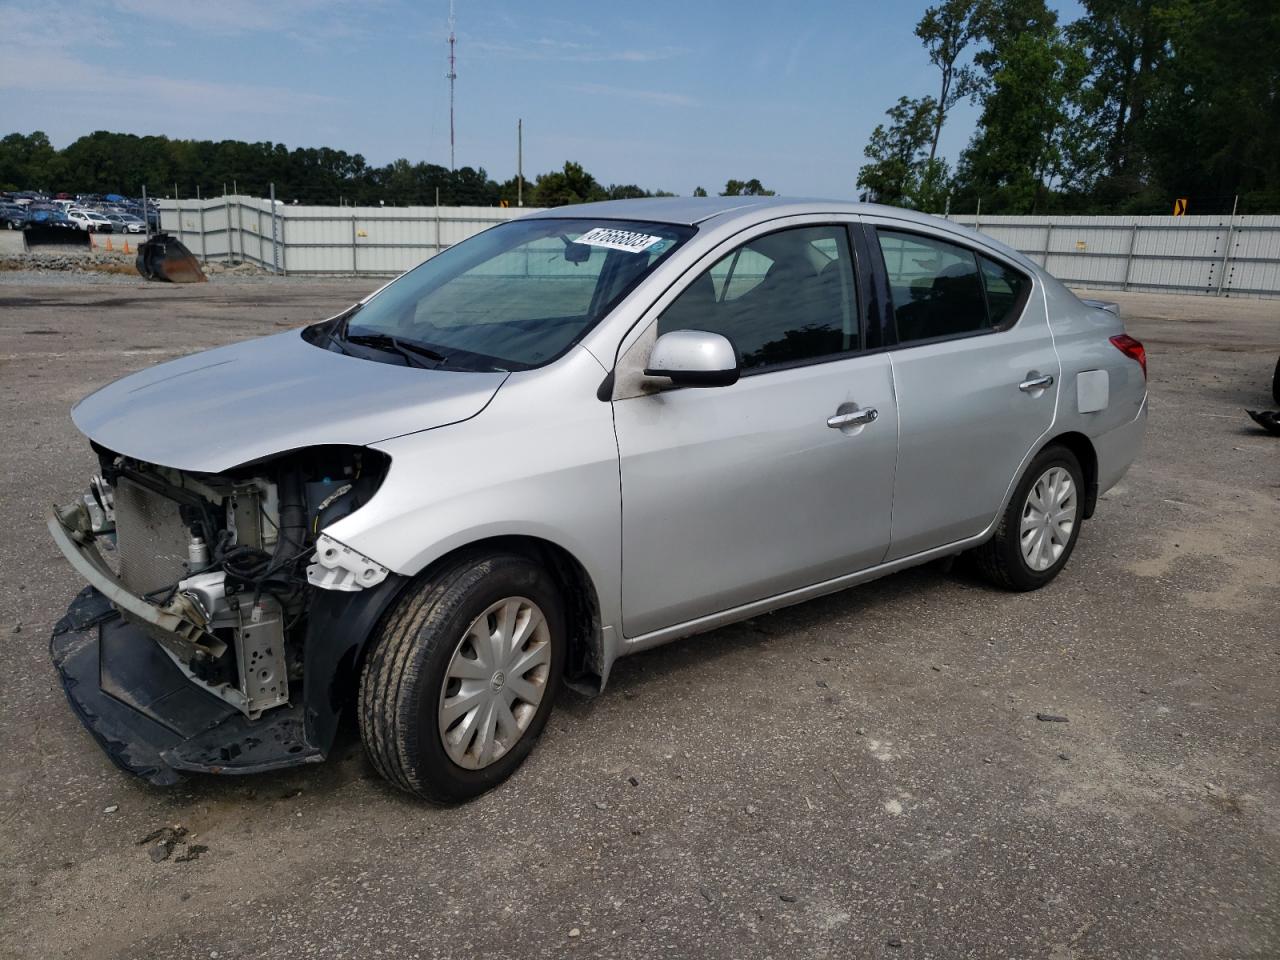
151, 541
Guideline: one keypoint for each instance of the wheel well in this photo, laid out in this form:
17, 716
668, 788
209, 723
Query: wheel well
1082, 447
584, 666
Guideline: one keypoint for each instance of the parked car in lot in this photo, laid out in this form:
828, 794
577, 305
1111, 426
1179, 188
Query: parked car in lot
572, 437
125, 223
12, 216
45, 217
90, 220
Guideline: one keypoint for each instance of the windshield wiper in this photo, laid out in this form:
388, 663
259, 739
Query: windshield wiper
413, 353
333, 338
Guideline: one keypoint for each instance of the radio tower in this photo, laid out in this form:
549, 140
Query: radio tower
451, 76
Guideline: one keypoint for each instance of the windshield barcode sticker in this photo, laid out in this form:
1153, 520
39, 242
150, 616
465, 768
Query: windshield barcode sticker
618, 239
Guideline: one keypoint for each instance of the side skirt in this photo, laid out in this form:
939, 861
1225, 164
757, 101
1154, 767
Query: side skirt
748, 610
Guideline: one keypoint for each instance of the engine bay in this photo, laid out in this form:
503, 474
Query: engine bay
231, 557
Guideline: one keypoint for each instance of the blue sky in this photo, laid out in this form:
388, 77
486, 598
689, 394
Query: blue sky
664, 94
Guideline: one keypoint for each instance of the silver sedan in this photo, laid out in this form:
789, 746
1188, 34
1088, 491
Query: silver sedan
570, 438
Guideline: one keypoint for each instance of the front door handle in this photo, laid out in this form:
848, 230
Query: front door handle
1036, 383
855, 418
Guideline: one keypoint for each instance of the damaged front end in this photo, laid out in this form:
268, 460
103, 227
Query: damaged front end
221, 625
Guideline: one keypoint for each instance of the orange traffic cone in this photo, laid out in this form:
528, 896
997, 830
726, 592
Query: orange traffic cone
126, 247
108, 243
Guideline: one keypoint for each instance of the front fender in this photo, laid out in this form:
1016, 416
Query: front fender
540, 461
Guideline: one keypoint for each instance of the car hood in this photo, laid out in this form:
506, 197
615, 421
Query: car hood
215, 410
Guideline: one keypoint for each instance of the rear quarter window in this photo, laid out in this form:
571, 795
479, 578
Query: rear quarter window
1007, 291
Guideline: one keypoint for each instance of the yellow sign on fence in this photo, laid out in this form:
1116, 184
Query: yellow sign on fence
1180, 207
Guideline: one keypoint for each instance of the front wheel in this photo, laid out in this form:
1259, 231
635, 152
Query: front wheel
462, 677
1040, 526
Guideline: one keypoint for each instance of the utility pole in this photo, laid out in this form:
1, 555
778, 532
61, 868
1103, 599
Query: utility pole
520, 163
451, 76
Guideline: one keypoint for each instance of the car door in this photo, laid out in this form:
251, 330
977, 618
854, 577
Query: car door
976, 374
737, 493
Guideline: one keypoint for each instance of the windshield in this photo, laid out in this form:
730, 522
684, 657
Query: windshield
513, 297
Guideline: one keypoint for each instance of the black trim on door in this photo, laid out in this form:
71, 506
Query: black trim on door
879, 328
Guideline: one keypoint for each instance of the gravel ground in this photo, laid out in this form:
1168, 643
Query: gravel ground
76, 279
57, 272
860, 776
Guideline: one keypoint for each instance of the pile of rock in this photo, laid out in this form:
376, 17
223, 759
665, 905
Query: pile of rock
63, 260
235, 269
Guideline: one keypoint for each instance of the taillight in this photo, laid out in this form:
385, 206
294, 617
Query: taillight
1133, 349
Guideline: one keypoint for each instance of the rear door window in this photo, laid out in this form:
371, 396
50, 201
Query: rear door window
936, 287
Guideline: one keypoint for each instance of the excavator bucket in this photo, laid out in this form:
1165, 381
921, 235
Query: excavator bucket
164, 258
46, 234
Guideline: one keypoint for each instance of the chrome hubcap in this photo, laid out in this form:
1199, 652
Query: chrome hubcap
495, 681
1048, 517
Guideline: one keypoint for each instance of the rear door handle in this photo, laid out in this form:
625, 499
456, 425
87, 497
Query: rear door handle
854, 418
1036, 383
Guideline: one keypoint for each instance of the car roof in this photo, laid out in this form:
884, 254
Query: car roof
692, 211
687, 211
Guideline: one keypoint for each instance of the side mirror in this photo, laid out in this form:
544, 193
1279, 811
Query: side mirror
694, 358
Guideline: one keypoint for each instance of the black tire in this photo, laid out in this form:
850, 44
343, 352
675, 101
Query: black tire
404, 673
1275, 384
1000, 559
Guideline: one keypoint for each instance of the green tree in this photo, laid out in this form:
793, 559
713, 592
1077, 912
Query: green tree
1212, 127
1027, 138
570, 185
745, 188
1126, 41
947, 30
626, 191
699, 191
930, 189
898, 153
29, 162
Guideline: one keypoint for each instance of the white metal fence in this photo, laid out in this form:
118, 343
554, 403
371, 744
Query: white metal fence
1209, 256
1214, 256
322, 240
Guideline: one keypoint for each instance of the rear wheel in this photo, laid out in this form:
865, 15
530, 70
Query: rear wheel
462, 678
1040, 526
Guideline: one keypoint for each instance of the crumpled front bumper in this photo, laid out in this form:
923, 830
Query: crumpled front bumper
149, 718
